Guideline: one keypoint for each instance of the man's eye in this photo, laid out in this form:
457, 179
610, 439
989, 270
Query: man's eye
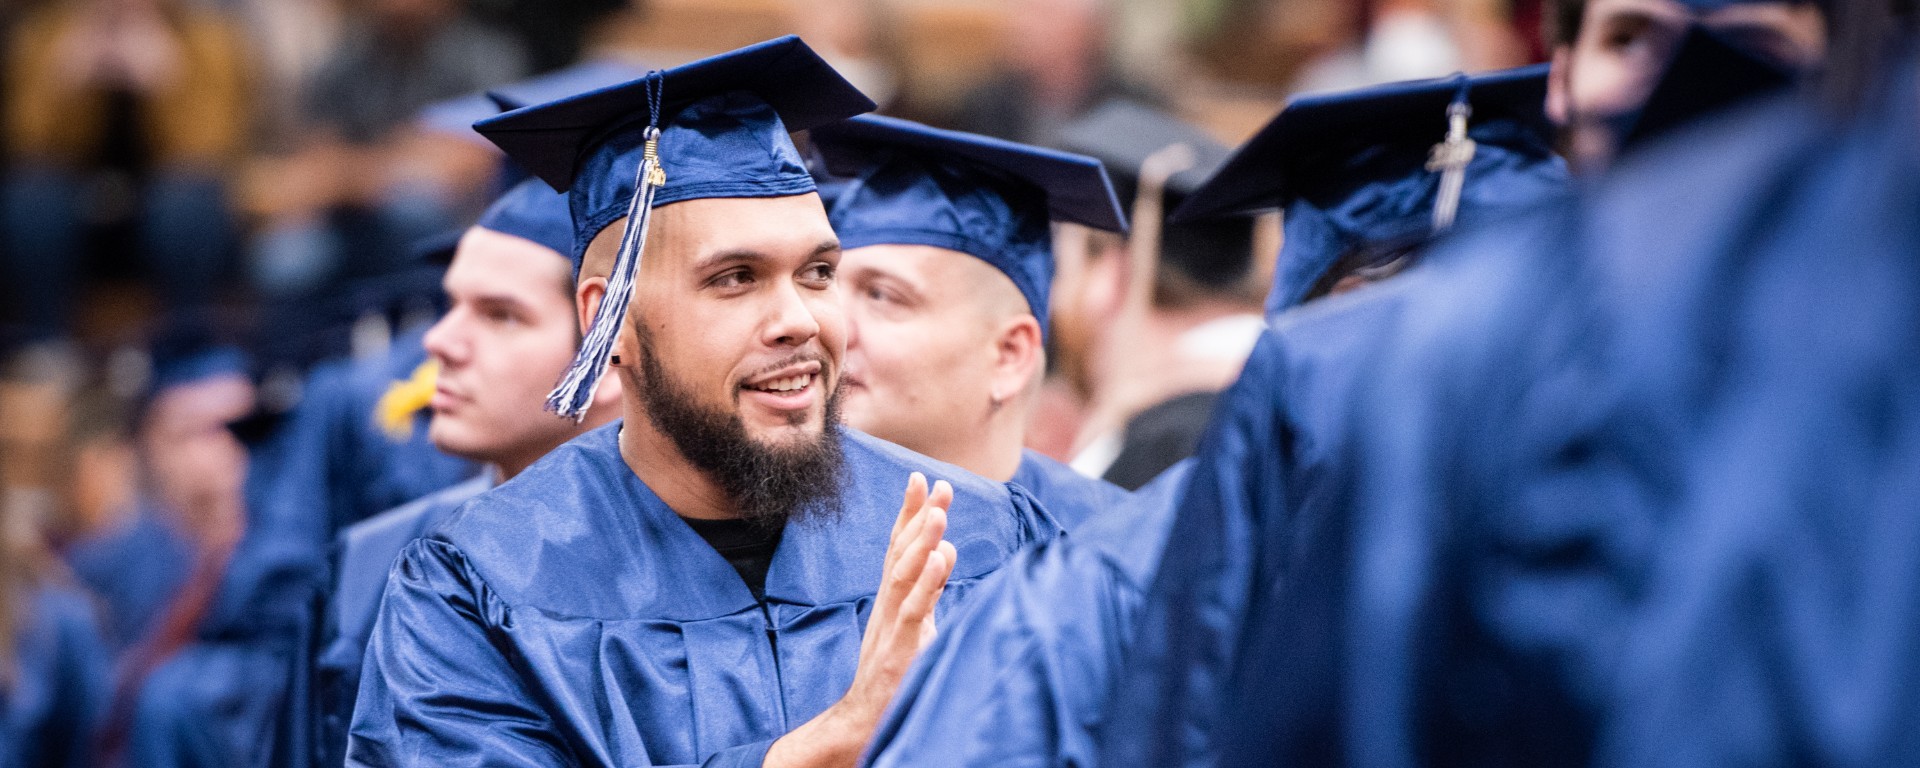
735, 279
876, 293
1622, 39
818, 273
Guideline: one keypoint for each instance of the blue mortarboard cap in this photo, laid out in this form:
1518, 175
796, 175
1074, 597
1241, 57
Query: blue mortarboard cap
184, 351
713, 128
197, 365
723, 131
1351, 169
532, 211
993, 199
561, 83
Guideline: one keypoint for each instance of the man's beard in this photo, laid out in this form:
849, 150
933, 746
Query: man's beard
768, 485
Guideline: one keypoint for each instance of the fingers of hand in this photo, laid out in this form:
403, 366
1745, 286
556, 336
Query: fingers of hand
916, 611
926, 532
914, 499
942, 496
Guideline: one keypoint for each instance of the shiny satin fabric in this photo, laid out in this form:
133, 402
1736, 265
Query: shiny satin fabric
364, 556
1019, 677
1627, 482
1072, 498
1260, 523
569, 617
1779, 626
56, 692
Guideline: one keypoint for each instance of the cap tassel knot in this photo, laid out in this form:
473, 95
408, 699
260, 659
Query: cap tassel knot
1450, 158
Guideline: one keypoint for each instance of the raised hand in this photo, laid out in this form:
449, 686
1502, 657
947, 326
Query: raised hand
913, 576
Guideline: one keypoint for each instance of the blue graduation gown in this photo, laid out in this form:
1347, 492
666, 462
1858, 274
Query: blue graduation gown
1779, 620
1071, 497
1260, 524
50, 713
569, 617
1523, 453
366, 552
1020, 676
135, 571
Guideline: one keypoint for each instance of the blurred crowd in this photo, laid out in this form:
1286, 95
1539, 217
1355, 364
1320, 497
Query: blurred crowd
261, 176
219, 221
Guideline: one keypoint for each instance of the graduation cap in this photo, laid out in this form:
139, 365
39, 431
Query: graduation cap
1387, 165
715, 128
180, 367
530, 211
1123, 134
990, 198
184, 351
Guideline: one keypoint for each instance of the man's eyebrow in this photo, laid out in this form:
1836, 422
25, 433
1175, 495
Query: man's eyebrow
504, 300
727, 257
743, 255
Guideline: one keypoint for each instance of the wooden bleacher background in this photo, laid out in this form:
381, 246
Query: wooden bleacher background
948, 45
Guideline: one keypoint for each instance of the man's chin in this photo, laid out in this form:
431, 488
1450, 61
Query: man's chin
779, 434
454, 440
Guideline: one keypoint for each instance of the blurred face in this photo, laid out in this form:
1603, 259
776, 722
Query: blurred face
507, 338
197, 466
920, 352
1624, 47
1056, 38
1088, 289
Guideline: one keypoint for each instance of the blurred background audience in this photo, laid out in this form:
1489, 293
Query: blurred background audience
264, 170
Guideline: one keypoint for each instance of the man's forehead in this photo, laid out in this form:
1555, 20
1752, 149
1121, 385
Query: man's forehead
489, 257
698, 229
946, 276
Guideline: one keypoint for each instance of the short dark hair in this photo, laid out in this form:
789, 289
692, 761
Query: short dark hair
1562, 22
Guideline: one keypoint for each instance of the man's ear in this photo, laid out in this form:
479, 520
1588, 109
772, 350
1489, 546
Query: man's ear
626, 348
1559, 85
586, 300
1019, 357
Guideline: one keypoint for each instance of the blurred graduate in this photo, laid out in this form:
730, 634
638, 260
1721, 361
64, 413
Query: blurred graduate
1150, 327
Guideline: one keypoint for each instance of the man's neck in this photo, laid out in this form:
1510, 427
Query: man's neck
509, 468
995, 451
654, 458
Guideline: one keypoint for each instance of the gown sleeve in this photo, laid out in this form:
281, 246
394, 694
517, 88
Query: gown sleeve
436, 688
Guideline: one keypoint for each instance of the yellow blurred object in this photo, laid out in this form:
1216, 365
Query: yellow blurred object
403, 399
